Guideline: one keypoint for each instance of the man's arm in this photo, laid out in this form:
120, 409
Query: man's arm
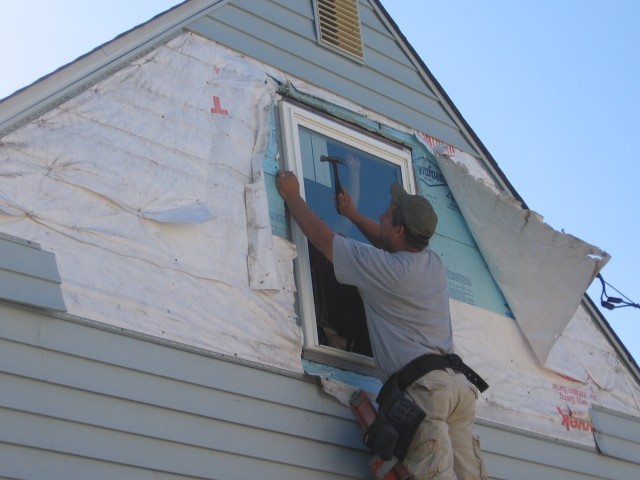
318, 232
369, 227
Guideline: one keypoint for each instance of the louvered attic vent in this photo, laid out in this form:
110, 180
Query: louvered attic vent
339, 26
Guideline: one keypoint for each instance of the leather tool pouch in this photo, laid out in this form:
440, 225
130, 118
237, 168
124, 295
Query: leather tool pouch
396, 424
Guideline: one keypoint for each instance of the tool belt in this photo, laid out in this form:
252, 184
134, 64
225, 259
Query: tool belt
399, 417
422, 365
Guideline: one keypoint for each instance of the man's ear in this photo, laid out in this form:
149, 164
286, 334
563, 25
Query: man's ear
398, 230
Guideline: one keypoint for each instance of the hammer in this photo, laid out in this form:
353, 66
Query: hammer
334, 161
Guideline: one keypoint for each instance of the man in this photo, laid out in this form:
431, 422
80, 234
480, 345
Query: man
404, 289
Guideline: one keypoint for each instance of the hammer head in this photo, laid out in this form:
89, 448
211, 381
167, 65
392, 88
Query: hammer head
334, 160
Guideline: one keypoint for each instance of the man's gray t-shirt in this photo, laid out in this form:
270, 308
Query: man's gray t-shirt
405, 299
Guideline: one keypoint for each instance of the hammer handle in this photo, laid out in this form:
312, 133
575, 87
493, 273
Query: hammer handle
338, 185
334, 163
336, 177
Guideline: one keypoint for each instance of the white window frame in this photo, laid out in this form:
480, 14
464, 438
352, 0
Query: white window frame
292, 117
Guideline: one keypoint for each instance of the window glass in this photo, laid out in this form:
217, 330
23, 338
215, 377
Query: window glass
332, 314
366, 177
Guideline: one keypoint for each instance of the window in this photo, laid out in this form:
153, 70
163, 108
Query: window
332, 314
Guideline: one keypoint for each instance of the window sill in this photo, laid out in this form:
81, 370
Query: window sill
340, 359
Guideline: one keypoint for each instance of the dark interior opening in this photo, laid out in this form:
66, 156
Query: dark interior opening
339, 310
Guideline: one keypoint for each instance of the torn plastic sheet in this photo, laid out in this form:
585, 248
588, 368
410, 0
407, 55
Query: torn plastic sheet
104, 141
341, 391
341, 384
146, 148
581, 354
261, 260
542, 273
148, 188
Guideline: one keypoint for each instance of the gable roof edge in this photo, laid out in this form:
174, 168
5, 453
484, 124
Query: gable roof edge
447, 104
52, 89
611, 336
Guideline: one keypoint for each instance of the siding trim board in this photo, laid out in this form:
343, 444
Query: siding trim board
617, 434
28, 274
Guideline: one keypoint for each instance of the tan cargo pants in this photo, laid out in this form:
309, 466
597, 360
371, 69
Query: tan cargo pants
444, 446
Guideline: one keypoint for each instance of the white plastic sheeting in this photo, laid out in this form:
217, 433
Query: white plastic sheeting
542, 273
148, 187
523, 394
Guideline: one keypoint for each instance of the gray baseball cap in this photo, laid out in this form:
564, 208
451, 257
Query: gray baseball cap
417, 213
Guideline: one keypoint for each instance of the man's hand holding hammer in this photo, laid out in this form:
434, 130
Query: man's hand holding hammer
369, 227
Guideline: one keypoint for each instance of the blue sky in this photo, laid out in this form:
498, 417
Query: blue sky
549, 86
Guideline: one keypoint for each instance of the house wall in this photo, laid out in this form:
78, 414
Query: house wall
80, 399
161, 287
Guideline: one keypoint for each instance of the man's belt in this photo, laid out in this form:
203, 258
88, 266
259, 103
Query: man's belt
425, 363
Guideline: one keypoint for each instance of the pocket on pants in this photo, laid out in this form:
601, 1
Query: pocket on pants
427, 455
434, 393
477, 452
